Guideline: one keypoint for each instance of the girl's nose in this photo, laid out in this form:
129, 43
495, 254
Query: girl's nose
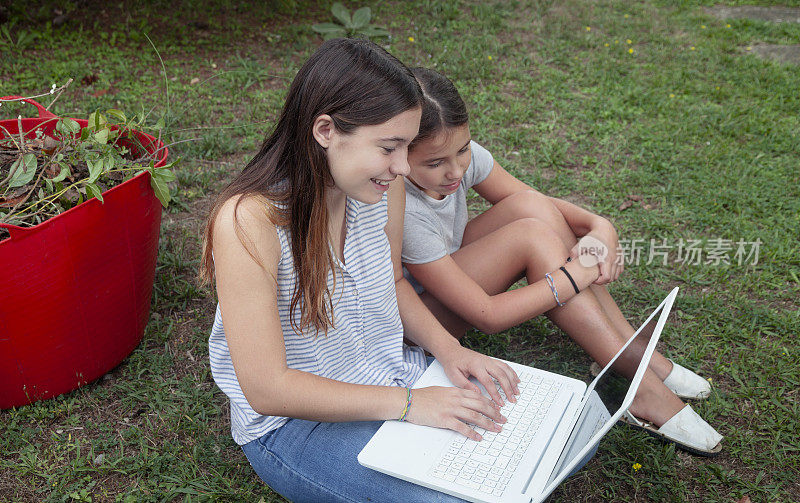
455, 171
400, 166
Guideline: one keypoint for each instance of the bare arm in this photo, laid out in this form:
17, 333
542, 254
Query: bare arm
422, 327
447, 281
248, 297
501, 184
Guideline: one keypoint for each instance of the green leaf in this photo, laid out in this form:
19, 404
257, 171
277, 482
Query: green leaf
109, 163
374, 31
117, 114
165, 174
67, 126
361, 17
49, 184
95, 169
25, 170
97, 121
93, 190
61, 176
101, 136
160, 188
340, 13
329, 28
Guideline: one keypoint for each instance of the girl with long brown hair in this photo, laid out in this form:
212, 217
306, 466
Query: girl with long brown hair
304, 249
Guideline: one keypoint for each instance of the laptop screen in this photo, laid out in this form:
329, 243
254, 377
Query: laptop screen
609, 391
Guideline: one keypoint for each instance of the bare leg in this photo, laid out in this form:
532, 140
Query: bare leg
530, 247
532, 205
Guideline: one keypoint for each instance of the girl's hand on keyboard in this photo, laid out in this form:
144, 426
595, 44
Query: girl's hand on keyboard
462, 363
453, 408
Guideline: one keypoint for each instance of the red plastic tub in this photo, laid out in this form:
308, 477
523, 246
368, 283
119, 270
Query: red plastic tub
75, 290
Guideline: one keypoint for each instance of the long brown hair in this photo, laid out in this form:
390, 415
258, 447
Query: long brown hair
357, 83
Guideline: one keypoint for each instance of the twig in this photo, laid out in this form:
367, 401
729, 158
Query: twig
209, 161
153, 153
220, 127
19, 130
21, 147
11, 137
163, 68
60, 90
51, 91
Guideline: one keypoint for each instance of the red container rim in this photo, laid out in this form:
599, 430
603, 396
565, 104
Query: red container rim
45, 117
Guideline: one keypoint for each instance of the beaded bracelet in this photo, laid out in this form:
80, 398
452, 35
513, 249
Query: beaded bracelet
408, 405
553, 288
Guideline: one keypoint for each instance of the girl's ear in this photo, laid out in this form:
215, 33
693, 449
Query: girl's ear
322, 130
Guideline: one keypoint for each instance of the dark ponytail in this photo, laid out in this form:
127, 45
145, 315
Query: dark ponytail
442, 106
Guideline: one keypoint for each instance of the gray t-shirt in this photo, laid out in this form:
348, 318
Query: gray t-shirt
434, 228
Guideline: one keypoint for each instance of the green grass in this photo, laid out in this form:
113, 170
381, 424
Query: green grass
561, 110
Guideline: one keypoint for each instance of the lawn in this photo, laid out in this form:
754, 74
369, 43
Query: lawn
657, 115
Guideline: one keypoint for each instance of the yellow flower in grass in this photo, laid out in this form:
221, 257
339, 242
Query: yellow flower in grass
748, 48
588, 28
637, 467
727, 26
703, 26
630, 51
691, 48
411, 39
629, 41
671, 95
606, 44
490, 58
626, 16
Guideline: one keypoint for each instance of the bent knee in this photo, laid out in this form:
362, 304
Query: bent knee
537, 235
533, 227
530, 204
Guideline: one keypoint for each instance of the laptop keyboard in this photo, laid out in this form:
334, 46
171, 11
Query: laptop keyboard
489, 464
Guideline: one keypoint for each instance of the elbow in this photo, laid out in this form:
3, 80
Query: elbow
489, 327
266, 399
488, 321
261, 403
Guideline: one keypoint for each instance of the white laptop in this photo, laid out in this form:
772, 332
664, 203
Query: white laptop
555, 423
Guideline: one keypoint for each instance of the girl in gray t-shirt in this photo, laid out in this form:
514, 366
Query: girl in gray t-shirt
463, 269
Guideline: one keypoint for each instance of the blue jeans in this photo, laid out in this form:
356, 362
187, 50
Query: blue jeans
317, 462
307, 461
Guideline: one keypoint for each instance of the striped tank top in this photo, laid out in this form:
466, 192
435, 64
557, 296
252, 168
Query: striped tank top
366, 344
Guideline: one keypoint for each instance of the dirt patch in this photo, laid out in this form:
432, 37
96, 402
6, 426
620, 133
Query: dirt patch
780, 53
771, 14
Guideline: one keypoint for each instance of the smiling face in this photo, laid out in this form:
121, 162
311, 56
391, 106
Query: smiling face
438, 163
364, 161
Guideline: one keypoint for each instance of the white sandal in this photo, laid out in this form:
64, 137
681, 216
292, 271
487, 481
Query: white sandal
686, 429
682, 381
